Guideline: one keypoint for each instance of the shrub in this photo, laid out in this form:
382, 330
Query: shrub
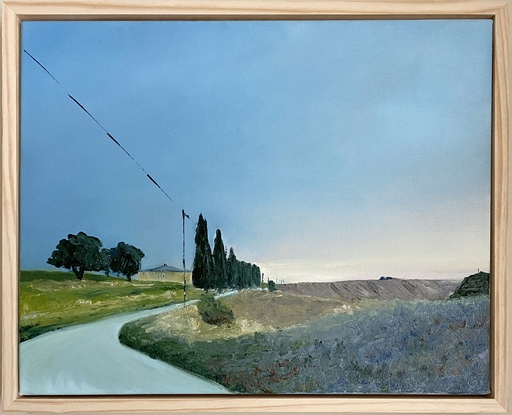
271, 285
213, 311
475, 284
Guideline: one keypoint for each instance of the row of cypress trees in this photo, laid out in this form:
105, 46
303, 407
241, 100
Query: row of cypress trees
213, 270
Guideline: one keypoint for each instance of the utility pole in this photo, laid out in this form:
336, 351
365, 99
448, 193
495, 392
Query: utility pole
183, 216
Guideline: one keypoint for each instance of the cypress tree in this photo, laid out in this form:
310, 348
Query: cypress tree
208, 266
219, 262
217, 271
248, 275
233, 270
202, 270
241, 268
245, 273
255, 276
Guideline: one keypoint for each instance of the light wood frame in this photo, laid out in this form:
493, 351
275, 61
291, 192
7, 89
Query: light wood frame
15, 11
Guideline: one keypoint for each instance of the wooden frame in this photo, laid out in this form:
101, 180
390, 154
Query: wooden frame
15, 11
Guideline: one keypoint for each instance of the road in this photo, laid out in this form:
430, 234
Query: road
89, 360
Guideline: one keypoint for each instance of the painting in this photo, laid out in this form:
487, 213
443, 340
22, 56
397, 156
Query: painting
255, 207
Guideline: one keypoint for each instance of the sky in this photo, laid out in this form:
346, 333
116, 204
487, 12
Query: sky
323, 150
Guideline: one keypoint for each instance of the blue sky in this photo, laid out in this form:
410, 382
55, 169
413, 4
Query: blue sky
323, 150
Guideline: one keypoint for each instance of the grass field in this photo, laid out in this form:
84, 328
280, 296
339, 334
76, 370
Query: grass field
417, 347
50, 300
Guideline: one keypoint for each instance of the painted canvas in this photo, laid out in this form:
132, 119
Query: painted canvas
255, 207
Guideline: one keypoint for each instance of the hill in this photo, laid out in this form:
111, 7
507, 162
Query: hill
475, 284
389, 289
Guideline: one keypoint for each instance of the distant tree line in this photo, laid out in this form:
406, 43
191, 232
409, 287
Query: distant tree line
81, 252
217, 270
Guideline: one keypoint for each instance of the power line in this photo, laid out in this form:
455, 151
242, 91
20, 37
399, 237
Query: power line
82, 107
41, 65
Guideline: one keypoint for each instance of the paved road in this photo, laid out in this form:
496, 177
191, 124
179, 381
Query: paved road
89, 360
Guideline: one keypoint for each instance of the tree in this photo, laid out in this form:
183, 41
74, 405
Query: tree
125, 259
219, 262
78, 253
202, 271
245, 274
233, 270
217, 271
105, 259
255, 276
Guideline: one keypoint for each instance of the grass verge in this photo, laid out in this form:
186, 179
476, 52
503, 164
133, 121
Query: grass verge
51, 300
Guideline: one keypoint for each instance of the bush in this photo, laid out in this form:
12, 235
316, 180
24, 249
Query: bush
213, 311
271, 285
475, 284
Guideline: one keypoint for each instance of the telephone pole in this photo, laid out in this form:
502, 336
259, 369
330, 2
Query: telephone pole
183, 216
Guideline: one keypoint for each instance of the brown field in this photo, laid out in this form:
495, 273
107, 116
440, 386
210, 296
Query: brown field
254, 311
263, 311
392, 289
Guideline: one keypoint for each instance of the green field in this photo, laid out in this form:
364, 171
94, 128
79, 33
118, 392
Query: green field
51, 300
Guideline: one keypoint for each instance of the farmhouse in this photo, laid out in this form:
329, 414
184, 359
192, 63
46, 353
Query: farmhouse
165, 273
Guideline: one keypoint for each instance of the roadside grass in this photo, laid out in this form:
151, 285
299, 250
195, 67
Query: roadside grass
383, 347
50, 300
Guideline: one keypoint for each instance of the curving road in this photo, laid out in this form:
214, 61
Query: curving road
89, 360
